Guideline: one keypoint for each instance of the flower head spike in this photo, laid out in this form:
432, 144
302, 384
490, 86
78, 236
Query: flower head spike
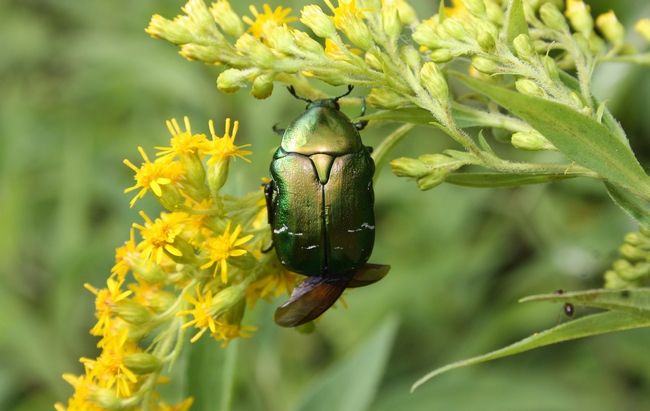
160, 236
105, 301
265, 22
182, 142
222, 148
222, 247
152, 175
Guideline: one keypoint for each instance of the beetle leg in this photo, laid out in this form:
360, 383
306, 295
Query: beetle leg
293, 93
266, 250
269, 195
278, 131
360, 125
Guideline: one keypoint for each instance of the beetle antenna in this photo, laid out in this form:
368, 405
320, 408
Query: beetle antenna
293, 93
350, 87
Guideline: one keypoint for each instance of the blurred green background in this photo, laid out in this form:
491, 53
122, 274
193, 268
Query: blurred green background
82, 86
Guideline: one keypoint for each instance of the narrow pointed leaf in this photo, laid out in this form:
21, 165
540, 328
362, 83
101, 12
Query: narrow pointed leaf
516, 23
582, 327
579, 137
635, 301
503, 180
637, 209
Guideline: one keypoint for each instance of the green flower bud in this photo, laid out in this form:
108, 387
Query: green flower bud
107, 399
632, 253
171, 198
552, 17
263, 86
407, 15
614, 281
644, 231
524, 47
611, 28
314, 18
217, 176
576, 98
200, 14
475, 7
357, 32
643, 28
529, 87
391, 22
227, 298
597, 45
141, 363
441, 55
436, 159
258, 52
486, 41
411, 57
231, 80
434, 81
187, 256
580, 17
385, 98
532, 141
132, 312
551, 67
432, 179
484, 65
160, 301
194, 169
169, 30
451, 29
495, 13
282, 40
206, 54
373, 62
426, 36
227, 19
637, 239
408, 167
307, 43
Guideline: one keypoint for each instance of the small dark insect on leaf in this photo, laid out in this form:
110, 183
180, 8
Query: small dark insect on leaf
568, 308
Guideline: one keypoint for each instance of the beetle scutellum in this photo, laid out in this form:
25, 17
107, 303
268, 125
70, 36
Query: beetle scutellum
320, 208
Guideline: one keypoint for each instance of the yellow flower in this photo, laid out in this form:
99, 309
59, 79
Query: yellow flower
83, 388
278, 281
346, 8
109, 369
222, 247
228, 332
152, 175
182, 142
105, 301
159, 236
457, 9
203, 313
181, 406
125, 257
222, 148
265, 22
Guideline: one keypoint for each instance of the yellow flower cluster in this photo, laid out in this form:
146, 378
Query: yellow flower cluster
174, 284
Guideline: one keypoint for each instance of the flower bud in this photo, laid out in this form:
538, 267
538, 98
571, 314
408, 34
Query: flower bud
614, 281
532, 141
475, 7
282, 40
576, 99
141, 363
579, 16
434, 81
436, 159
307, 43
495, 13
151, 273
263, 86
227, 19
169, 30
186, 253
408, 167
597, 45
160, 301
357, 32
314, 18
611, 28
194, 170
551, 67
632, 253
373, 62
451, 29
643, 28
258, 52
106, 399
217, 175
385, 98
441, 55
644, 231
486, 41
529, 87
391, 21
171, 198
432, 179
484, 65
227, 298
407, 15
231, 80
552, 17
411, 57
524, 47
200, 14
132, 312
637, 239
426, 36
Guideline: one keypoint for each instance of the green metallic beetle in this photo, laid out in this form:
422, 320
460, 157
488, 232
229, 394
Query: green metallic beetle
320, 208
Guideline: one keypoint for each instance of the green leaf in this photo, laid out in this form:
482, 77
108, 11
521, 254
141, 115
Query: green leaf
582, 327
637, 209
210, 374
516, 23
484, 144
579, 137
634, 301
503, 180
352, 383
381, 153
417, 115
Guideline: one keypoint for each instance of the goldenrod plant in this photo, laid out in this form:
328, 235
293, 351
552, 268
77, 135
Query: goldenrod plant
518, 71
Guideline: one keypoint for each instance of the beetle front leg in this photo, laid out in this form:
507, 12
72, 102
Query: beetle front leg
278, 131
360, 125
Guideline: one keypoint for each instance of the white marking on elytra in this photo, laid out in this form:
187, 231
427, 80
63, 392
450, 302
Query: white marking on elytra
311, 247
364, 225
281, 230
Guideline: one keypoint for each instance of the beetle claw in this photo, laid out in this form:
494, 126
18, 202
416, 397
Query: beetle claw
278, 131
